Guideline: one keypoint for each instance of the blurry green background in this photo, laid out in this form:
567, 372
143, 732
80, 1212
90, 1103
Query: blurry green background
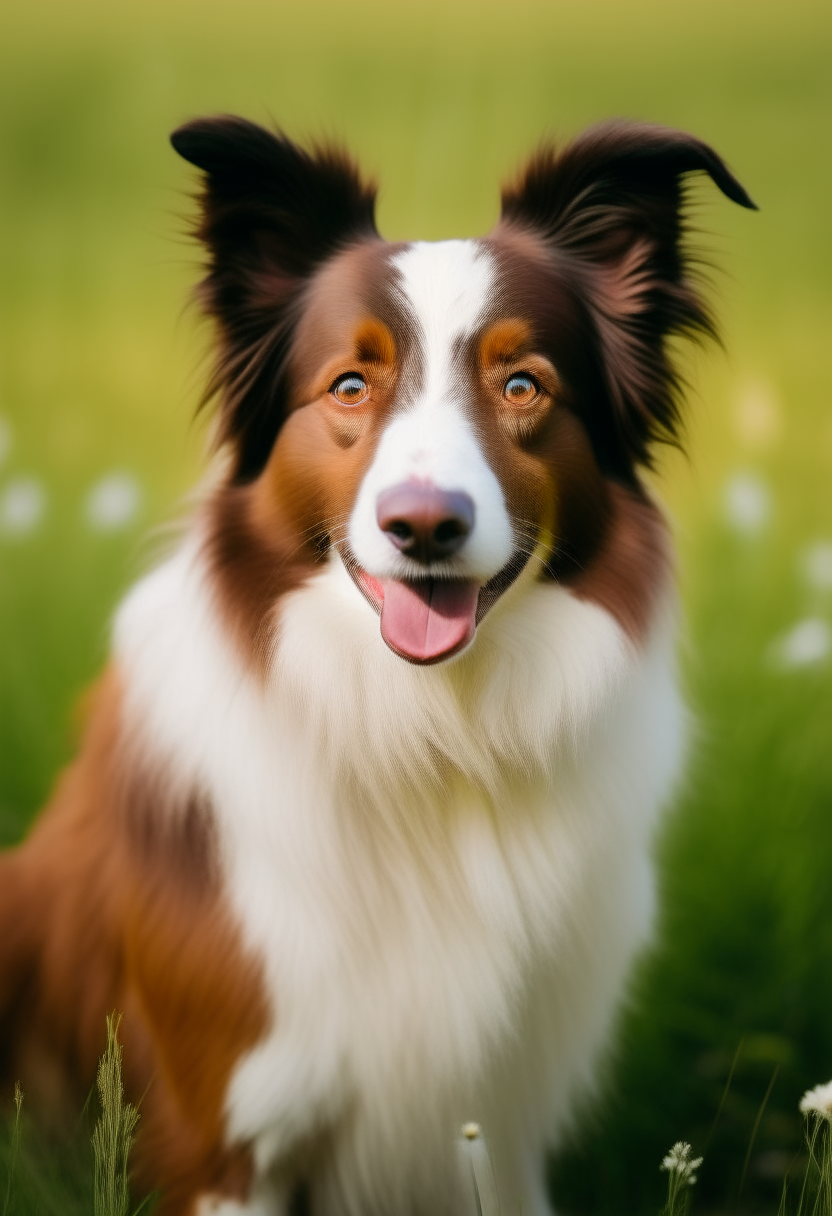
102, 368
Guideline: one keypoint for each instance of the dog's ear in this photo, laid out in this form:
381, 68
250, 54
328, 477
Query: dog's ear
271, 213
612, 205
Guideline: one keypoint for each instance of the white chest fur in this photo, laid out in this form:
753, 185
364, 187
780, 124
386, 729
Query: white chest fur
444, 870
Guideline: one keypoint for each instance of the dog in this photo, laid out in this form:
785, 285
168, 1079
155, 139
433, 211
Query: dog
359, 836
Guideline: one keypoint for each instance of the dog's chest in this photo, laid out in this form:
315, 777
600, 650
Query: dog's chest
441, 872
399, 966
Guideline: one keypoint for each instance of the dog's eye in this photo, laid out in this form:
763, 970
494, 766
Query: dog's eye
350, 389
520, 389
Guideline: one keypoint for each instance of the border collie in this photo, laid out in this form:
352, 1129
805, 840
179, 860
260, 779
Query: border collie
359, 836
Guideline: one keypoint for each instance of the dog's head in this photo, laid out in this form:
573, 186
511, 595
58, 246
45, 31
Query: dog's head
440, 414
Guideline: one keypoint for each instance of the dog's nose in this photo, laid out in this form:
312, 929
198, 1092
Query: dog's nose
426, 523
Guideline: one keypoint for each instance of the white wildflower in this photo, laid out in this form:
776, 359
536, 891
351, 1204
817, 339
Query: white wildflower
477, 1163
22, 505
816, 565
806, 644
113, 502
818, 1101
747, 503
679, 1161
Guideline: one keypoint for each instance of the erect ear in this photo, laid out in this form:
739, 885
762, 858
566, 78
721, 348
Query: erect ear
270, 214
612, 205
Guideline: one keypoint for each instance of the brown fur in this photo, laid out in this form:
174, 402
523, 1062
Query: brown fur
106, 915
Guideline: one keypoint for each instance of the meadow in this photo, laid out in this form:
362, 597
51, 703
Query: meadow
101, 367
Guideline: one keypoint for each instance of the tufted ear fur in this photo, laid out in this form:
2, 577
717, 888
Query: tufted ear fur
612, 207
270, 214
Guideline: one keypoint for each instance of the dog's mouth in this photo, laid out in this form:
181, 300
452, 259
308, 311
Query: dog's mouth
424, 621
429, 620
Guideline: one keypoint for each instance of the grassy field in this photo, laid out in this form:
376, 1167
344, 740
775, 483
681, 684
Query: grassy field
101, 369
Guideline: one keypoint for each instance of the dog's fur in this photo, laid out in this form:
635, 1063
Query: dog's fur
351, 894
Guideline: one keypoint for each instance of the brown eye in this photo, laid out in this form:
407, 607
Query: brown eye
520, 390
350, 389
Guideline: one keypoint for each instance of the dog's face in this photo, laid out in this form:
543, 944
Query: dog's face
442, 414
426, 429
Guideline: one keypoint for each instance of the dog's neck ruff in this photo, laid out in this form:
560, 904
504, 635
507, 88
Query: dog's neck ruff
546, 671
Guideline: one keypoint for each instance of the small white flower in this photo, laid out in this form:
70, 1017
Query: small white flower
818, 1101
22, 504
807, 643
113, 502
747, 503
816, 565
679, 1161
477, 1161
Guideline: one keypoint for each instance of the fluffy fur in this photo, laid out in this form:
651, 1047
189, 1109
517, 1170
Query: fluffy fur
355, 882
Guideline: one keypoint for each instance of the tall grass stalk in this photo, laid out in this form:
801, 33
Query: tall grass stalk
816, 1106
756, 1128
478, 1160
114, 1131
824, 1204
816, 1187
817, 1178
681, 1175
15, 1145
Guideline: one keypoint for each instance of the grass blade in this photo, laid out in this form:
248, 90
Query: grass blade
15, 1146
112, 1137
475, 1152
756, 1127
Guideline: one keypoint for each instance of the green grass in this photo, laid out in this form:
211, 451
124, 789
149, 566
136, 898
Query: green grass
45, 1174
113, 1134
814, 1188
84, 1170
100, 371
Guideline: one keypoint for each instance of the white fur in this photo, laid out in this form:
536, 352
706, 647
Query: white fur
266, 1204
447, 287
444, 870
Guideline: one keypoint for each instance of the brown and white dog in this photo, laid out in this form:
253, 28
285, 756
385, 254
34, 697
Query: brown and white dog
359, 836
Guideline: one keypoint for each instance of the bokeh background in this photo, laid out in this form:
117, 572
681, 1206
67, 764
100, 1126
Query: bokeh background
730, 1017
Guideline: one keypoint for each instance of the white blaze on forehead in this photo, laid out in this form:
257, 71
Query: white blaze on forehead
448, 287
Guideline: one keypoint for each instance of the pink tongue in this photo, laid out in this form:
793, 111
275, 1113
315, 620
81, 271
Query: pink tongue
427, 621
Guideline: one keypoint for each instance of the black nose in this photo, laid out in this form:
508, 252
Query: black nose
426, 523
